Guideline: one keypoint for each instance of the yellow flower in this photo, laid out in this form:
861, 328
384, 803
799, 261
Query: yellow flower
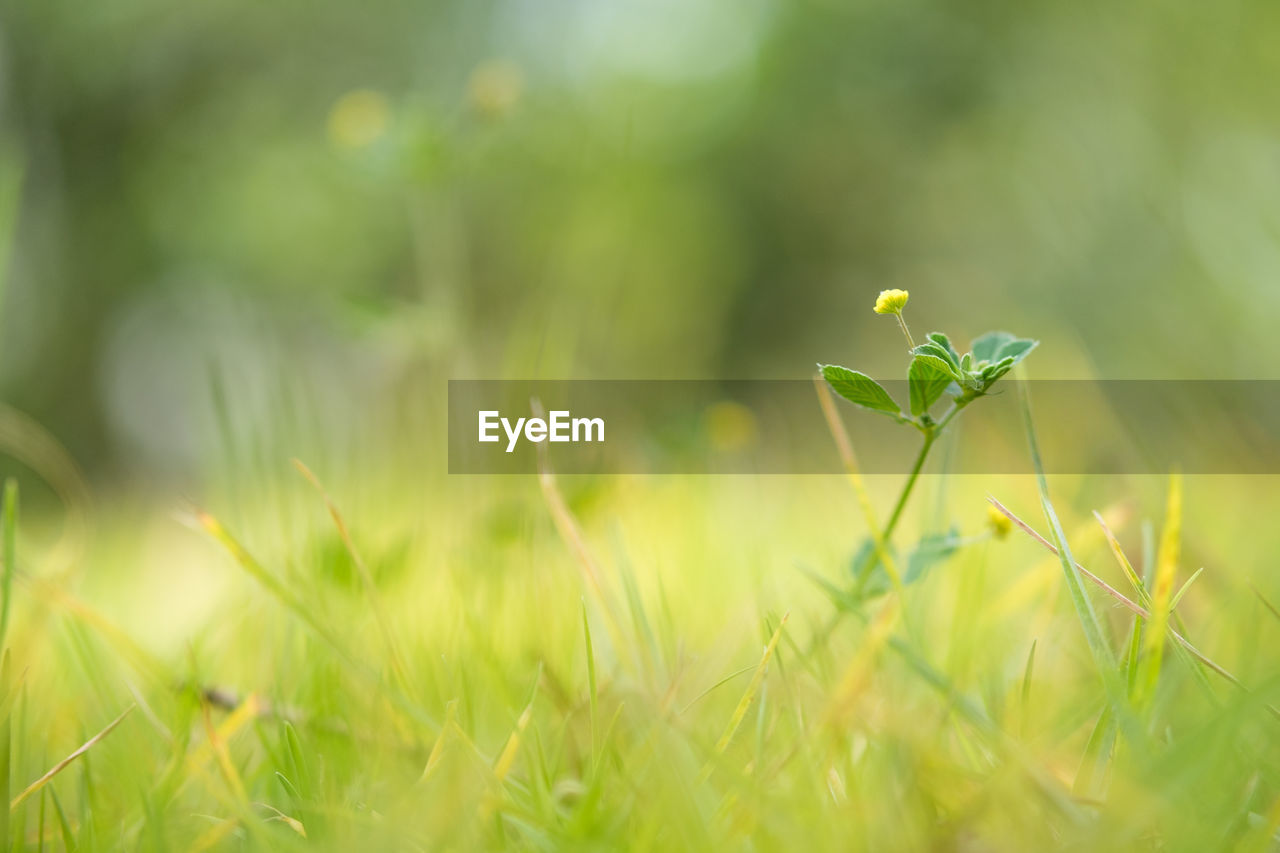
891, 301
999, 522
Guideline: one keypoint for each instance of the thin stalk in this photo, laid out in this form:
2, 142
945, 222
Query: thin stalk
862, 573
10, 554
905, 331
948, 417
931, 433
894, 516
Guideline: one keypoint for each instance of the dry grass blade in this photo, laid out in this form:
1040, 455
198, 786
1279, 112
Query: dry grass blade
563, 518
1265, 603
1119, 596
509, 752
245, 713
844, 446
214, 835
569, 531
64, 763
280, 817
220, 752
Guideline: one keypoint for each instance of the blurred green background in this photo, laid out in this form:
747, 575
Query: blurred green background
327, 209
236, 233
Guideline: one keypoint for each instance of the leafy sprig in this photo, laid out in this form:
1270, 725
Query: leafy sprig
936, 370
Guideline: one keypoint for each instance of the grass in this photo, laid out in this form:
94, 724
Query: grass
641, 664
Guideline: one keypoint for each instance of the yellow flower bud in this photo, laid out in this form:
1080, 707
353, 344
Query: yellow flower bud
998, 522
891, 301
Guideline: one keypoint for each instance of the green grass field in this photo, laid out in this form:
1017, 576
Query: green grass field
245, 249
639, 663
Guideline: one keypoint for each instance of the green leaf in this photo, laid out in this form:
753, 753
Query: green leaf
861, 563
1010, 354
841, 599
860, 389
945, 343
937, 362
989, 345
1017, 349
992, 372
926, 383
933, 549
942, 355
934, 350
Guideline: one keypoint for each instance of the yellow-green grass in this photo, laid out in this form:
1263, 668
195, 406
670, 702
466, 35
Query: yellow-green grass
473, 687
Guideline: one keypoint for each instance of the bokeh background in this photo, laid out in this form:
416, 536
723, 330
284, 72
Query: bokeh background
327, 209
233, 234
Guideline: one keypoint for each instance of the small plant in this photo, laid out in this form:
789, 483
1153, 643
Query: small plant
936, 370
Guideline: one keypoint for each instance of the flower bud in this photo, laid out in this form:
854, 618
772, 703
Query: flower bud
891, 301
998, 522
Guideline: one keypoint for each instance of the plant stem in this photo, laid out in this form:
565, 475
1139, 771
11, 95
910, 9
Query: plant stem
889, 526
931, 433
863, 572
903, 323
947, 418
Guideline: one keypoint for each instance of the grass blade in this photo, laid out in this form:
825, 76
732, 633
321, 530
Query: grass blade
1177, 597
752, 688
66, 762
1133, 657
1265, 603
591, 678
6, 745
1091, 777
1026, 686
1162, 593
366, 577
1098, 647
1139, 587
508, 757
309, 617
64, 825
1138, 609
10, 555
1093, 632
572, 536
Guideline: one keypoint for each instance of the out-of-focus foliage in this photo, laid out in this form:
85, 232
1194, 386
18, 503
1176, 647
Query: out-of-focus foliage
391, 191
233, 233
